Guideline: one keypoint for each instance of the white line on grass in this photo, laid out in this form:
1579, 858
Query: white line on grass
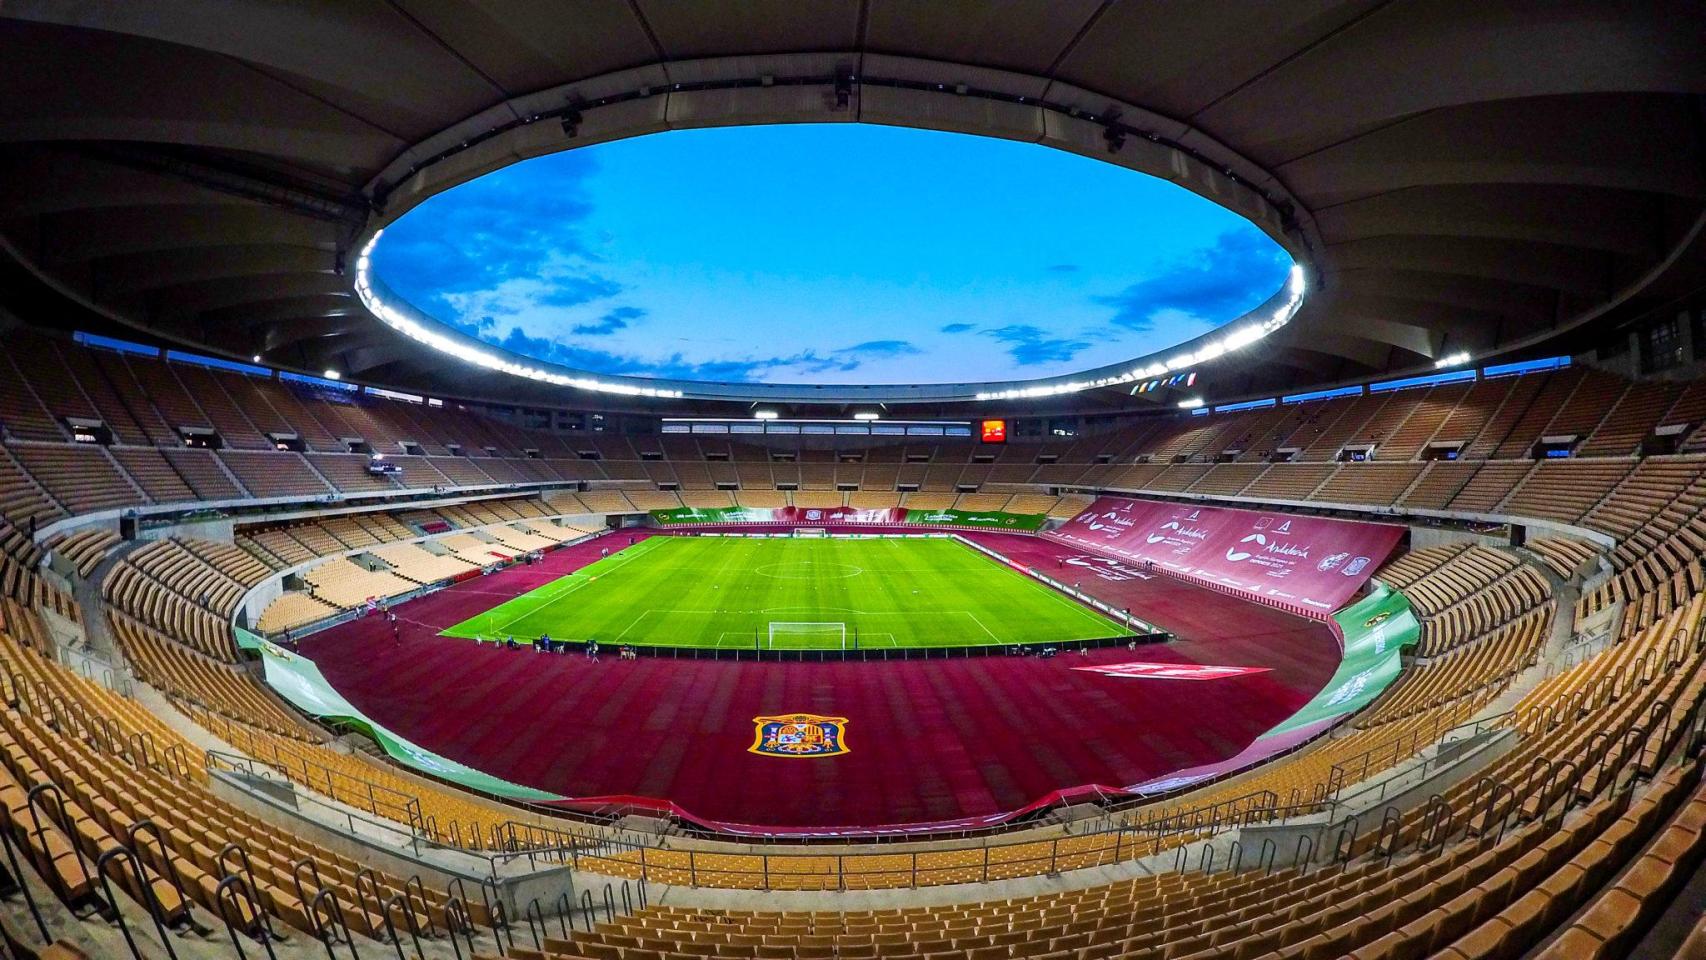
975, 620
1086, 612
643, 615
581, 579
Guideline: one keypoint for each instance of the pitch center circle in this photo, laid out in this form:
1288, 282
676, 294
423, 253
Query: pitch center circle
808, 570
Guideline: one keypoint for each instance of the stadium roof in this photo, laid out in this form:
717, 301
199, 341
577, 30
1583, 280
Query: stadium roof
1463, 176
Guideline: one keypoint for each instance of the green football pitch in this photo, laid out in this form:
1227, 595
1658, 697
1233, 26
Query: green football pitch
795, 594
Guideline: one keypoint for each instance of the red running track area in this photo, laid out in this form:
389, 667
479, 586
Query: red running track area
938, 742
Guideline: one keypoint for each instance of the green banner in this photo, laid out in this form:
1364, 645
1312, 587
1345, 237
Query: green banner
993, 519
1376, 631
247, 640
989, 519
713, 515
298, 679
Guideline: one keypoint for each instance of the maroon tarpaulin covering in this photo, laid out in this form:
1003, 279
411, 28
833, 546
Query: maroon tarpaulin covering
1307, 565
935, 744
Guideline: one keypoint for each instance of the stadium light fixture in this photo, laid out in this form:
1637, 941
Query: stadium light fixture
1457, 359
394, 317
333, 375
765, 415
255, 359
1246, 335
867, 415
1190, 404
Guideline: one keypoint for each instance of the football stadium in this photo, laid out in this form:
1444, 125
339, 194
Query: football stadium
671, 479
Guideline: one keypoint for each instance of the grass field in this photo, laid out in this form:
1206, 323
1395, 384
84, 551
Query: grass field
728, 592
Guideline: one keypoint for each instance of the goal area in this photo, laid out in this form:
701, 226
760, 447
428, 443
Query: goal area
804, 635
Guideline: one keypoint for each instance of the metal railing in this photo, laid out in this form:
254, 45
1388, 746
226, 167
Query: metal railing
1384, 756
1126, 838
363, 794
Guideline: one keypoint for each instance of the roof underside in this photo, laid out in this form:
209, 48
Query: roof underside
1460, 176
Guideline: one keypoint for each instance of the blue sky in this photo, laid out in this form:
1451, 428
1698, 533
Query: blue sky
827, 253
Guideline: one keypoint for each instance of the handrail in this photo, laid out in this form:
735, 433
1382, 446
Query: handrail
323, 930
166, 869
361, 894
358, 792
534, 914
61, 821
396, 900
458, 920
414, 882
537, 841
1338, 772
395, 838
7, 826
250, 890
226, 893
296, 879
144, 892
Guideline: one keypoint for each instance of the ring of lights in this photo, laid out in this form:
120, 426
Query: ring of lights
824, 88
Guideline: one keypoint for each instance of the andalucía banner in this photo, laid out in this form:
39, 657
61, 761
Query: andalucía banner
1309, 565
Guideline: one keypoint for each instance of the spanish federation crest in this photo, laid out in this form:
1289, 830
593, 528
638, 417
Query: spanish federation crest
799, 735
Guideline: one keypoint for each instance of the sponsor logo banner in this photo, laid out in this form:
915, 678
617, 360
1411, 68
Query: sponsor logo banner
1376, 630
1107, 568
991, 519
1171, 671
1310, 563
799, 735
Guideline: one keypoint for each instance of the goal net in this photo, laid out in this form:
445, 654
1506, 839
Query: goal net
793, 635
811, 531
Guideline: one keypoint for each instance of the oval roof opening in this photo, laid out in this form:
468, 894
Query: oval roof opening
826, 254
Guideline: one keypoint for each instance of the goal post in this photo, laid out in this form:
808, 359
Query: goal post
811, 532
807, 635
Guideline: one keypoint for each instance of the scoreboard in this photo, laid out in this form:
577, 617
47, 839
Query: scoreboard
994, 431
